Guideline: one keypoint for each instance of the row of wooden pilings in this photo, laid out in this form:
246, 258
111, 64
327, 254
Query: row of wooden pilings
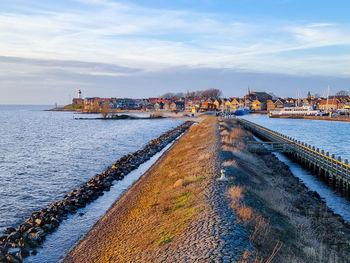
329, 168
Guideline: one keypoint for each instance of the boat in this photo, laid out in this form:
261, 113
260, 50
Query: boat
241, 111
294, 111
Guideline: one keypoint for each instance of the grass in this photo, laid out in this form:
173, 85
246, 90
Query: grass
182, 200
193, 179
165, 238
73, 106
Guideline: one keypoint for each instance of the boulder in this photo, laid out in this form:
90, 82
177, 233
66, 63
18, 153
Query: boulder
9, 230
14, 236
13, 259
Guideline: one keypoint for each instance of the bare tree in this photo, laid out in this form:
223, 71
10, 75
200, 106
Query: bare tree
105, 110
342, 93
209, 93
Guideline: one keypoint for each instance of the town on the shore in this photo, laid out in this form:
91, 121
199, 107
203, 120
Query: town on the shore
211, 100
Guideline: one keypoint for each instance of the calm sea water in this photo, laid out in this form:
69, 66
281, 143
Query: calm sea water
331, 136
44, 155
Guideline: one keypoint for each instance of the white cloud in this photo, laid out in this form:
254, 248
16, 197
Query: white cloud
153, 39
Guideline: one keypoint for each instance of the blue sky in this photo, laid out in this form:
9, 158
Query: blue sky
140, 48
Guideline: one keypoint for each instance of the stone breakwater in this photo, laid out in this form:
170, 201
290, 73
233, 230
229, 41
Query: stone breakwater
16, 244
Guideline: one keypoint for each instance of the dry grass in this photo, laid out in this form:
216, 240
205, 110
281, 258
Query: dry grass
251, 218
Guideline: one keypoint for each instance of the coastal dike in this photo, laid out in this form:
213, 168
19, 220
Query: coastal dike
176, 212
180, 212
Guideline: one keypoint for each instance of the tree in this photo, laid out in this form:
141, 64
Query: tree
211, 93
105, 110
342, 93
204, 94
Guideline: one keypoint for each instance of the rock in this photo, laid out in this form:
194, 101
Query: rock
13, 259
9, 230
14, 251
14, 236
33, 240
25, 253
38, 221
24, 227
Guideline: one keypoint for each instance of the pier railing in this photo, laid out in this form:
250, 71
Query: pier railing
331, 168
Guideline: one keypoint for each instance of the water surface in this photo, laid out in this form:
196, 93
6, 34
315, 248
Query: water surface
44, 155
331, 136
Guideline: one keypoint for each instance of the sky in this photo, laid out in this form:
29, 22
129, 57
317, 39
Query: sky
145, 48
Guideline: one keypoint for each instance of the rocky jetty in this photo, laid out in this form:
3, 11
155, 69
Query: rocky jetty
18, 243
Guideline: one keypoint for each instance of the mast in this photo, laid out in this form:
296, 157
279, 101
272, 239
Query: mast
298, 98
327, 97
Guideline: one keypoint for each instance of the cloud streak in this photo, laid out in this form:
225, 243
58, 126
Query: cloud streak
153, 39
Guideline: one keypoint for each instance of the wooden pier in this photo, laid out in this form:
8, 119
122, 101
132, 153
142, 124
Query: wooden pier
329, 168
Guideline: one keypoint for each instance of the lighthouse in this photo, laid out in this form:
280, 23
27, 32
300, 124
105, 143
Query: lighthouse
79, 94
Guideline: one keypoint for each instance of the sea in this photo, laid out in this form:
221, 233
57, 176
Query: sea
330, 136
46, 154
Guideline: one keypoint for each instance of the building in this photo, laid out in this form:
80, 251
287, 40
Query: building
257, 105
177, 106
78, 100
328, 105
270, 105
